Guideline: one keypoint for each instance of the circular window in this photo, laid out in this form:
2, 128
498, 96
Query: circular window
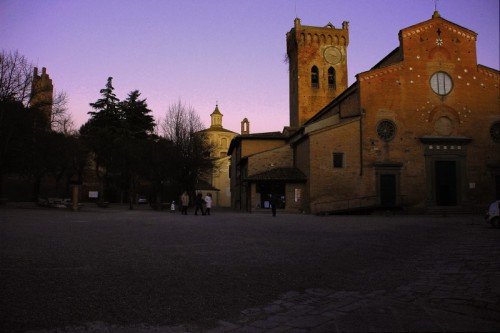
495, 131
443, 126
386, 130
441, 83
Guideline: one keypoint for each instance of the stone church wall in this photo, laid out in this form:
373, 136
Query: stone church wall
331, 186
276, 158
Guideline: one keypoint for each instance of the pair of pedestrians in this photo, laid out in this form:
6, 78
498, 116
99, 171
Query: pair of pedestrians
200, 202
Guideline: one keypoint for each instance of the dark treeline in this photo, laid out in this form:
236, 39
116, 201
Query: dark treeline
120, 151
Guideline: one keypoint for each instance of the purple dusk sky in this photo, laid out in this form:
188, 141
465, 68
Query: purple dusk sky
202, 52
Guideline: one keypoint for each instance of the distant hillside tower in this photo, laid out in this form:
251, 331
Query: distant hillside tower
42, 91
318, 68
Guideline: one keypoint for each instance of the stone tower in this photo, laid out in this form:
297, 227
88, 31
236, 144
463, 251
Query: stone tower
42, 91
318, 68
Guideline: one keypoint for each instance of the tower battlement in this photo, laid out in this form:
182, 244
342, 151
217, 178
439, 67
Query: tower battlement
327, 35
42, 91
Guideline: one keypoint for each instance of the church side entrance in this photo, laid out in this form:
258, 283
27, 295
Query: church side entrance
388, 190
388, 180
266, 190
497, 186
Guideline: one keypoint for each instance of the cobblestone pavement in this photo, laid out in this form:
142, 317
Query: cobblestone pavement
455, 286
458, 292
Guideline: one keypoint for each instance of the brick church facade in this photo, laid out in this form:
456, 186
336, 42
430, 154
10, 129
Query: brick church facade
420, 130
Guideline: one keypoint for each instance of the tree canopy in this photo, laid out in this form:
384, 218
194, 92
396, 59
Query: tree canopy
128, 153
16, 77
128, 157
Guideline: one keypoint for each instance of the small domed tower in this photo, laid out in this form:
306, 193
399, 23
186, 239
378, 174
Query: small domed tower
218, 177
216, 117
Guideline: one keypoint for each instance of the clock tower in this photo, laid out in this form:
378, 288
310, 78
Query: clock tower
317, 58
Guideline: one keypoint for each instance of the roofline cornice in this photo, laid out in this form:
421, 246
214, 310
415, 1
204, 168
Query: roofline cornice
429, 24
374, 73
488, 71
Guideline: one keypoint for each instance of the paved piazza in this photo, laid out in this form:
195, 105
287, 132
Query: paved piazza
115, 270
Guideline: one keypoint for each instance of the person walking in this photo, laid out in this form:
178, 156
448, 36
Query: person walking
198, 201
184, 203
273, 200
208, 202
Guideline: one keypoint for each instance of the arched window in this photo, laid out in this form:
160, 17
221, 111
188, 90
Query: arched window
223, 143
331, 78
314, 77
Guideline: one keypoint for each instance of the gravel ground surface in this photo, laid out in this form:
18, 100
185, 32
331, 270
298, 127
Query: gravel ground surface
96, 269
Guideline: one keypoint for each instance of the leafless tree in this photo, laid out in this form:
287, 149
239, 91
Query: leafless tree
180, 123
16, 77
61, 120
182, 126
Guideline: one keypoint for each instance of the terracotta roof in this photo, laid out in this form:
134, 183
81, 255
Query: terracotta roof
202, 185
255, 136
263, 135
283, 174
217, 129
216, 111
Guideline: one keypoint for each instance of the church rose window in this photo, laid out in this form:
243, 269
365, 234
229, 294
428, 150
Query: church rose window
386, 130
495, 131
441, 83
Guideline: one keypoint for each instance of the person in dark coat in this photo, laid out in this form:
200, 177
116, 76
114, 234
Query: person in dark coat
273, 201
198, 201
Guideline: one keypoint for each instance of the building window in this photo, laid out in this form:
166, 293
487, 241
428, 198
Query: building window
298, 195
386, 130
338, 160
331, 78
441, 83
223, 143
314, 77
495, 131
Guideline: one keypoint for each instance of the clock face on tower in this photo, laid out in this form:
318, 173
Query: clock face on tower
332, 55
